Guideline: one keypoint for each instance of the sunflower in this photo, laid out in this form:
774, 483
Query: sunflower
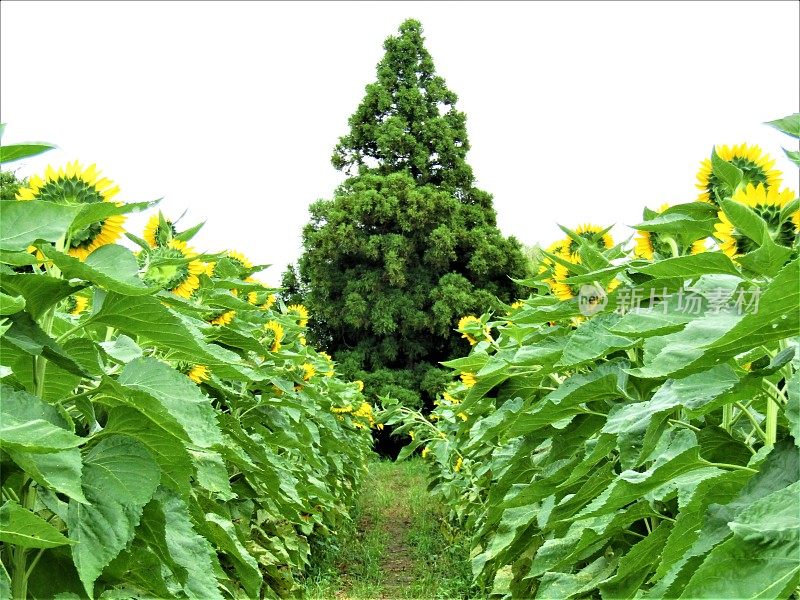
556, 247
459, 463
300, 311
561, 289
425, 452
767, 204
180, 279
570, 249
470, 320
329, 372
271, 299
277, 330
698, 247
75, 185
756, 168
155, 235
222, 317
198, 373
469, 379
240, 259
75, 305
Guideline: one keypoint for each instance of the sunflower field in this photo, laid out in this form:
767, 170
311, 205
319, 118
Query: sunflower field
165, 430
631, 430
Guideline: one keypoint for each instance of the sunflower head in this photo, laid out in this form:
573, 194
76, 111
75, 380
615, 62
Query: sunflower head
767, 203
76, 304
471, 321
468, 379
222, 317
198, 373
277, 334
159, 231
239, 259
308, 371
570, 249
301, 311
161, 270
756, 168
75, 185
558, 285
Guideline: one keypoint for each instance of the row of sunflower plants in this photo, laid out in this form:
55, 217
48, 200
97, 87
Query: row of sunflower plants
165, 431
631, 430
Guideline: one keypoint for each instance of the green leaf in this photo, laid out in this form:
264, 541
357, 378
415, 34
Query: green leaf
771, 519
761, 560
223, 535
680, 456
727, 173
635, 565
687, 222
719, 489
111, 267
148, 318
691, 266
39, 291
28, 337
168, 450
605, 382
792, 410
11, 304
188, 549
793, 155
178, 396
21, 527
37, 437
23, 223
593, 340
96, 212
789, 125
120, 477
714, 338
15, 152
745, 220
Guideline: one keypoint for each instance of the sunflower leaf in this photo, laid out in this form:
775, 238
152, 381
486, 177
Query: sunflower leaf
111, 267
11, 304
16, 152
23, 528
745, 220
793, 156
96, 212
789, 125
23, 223
729, 174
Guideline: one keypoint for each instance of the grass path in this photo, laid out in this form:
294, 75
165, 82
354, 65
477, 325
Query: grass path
399, 547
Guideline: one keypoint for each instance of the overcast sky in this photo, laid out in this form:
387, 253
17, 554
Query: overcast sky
576, 111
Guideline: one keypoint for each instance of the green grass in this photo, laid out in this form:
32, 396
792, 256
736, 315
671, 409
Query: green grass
399, 545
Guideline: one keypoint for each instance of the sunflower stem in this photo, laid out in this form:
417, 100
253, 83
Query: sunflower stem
727, 417
19, 575
673, 245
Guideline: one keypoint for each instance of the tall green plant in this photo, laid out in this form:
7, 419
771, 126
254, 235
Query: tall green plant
165, 431
632, 429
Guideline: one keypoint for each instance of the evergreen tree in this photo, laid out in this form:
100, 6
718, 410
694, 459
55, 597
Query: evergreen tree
407, 245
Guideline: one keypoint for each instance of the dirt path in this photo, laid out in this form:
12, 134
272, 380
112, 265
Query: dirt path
400, 546
397, 564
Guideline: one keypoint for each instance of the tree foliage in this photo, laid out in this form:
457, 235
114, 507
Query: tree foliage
408, 244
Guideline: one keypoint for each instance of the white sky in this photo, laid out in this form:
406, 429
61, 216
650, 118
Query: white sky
576, 111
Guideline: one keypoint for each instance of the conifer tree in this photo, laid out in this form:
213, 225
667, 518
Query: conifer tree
408, 244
